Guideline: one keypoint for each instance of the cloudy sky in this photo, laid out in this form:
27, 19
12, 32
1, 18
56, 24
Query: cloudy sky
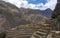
34, 4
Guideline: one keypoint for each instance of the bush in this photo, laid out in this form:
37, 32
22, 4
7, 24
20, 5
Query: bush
2, 35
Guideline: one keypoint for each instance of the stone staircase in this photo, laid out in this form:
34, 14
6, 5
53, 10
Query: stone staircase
46, 31
43, 31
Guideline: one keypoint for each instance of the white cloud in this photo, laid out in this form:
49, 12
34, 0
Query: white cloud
23, 3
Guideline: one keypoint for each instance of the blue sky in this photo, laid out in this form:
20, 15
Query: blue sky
34, 4
37, 1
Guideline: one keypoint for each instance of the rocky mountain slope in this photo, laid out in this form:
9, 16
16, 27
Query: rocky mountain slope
11, 16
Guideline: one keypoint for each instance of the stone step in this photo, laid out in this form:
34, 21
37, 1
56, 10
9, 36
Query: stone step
45, 24
23, 37
42, 30
20, 36
10, 33
24, 33
41, 34
46, 28
36, 36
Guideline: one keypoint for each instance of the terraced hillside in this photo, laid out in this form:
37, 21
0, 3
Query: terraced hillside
24, 23
26, 31
22, 31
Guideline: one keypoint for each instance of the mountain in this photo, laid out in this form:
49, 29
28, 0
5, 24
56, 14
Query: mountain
33, 15
46, 13
11, 16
